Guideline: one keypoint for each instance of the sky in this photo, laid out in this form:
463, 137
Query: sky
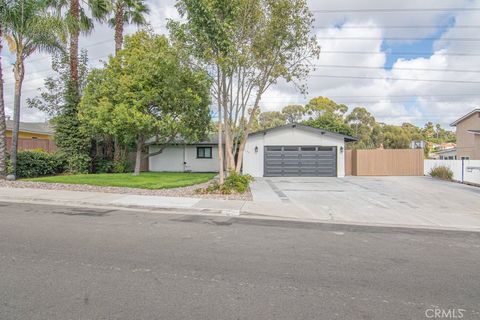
409, 61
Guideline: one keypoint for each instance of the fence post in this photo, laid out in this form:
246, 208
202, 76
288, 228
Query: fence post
463, 169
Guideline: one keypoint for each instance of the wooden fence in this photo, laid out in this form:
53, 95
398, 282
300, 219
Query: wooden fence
384, 162
32, 144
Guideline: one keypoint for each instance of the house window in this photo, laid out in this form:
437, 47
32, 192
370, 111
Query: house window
204, 152
465, 158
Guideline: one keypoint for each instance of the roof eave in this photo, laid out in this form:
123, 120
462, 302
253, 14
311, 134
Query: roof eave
454, 123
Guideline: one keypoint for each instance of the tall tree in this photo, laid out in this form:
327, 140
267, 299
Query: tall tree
77, 20
293, 113
29, 28
248, 45
126, 12
3, 128
270, 119
146, 92
320, 106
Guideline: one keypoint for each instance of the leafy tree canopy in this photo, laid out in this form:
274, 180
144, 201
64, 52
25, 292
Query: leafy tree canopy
331, 123
324, 106
147, 92
293, 113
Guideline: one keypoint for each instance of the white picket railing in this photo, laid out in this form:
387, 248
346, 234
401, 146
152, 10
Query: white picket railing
463, 170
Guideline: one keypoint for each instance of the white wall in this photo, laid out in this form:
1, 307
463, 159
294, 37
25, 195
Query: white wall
253, 161
182, 158
456, 167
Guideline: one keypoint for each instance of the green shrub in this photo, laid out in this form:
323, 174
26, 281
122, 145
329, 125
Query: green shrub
122, 166
103, 166
78, 163
234, 183
441, 172
34, 163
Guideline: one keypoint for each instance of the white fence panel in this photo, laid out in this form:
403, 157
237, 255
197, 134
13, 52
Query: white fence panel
463, 170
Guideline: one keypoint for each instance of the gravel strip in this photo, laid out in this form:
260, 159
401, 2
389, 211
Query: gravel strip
176, 192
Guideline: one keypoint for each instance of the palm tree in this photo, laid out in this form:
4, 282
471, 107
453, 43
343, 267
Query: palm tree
126, 12
3, 128
29, 28
79, 22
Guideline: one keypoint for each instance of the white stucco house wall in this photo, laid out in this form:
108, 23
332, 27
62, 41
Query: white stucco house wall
289, 150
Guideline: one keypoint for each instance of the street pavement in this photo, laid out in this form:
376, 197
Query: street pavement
75, 263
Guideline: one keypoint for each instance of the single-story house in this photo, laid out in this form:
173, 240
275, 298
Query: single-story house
288, 150
446, 154
32, 135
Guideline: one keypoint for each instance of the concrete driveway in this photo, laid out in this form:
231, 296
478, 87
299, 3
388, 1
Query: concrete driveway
408, 201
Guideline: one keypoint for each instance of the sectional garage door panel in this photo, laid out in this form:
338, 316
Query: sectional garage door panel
301, 161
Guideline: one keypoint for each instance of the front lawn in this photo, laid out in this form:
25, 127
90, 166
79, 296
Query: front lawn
146, 180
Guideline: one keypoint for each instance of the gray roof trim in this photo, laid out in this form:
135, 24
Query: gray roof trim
446, 151
454, 123
308, 128
474, 131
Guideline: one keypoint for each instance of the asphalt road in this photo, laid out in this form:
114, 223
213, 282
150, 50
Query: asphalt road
73, 263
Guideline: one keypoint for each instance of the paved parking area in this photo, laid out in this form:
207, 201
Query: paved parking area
419, 201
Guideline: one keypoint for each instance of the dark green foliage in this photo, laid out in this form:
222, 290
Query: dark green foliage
122, 166
71, 138
234, 183
330, 123
33, 163
441, 172
103, 166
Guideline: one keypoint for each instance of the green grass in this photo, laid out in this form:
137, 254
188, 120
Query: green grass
146, 180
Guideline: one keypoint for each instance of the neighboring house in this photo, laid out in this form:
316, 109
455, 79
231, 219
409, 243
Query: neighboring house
443, 151
445, 154
288, 150
32, 135
468, 135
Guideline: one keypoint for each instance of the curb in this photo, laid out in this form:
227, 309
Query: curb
238, 214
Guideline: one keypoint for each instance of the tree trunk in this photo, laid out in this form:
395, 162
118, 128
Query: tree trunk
119, 13
138, 157
74, 35
241, 148
221, 173
19, 72
3, 129
226, 123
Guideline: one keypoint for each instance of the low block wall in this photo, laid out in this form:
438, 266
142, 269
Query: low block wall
460, 169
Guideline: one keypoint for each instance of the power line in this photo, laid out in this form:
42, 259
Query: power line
390, 69
400, 53
394, 10
386, 96
393, 79
397, 27
399, 39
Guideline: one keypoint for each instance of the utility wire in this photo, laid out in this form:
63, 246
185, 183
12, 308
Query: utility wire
393, 79
391, 69
400, 53
394, 10
398, 39
397, 27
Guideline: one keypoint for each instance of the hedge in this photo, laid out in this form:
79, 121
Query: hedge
36, 163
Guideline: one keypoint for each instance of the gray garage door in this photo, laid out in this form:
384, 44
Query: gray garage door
306, 161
